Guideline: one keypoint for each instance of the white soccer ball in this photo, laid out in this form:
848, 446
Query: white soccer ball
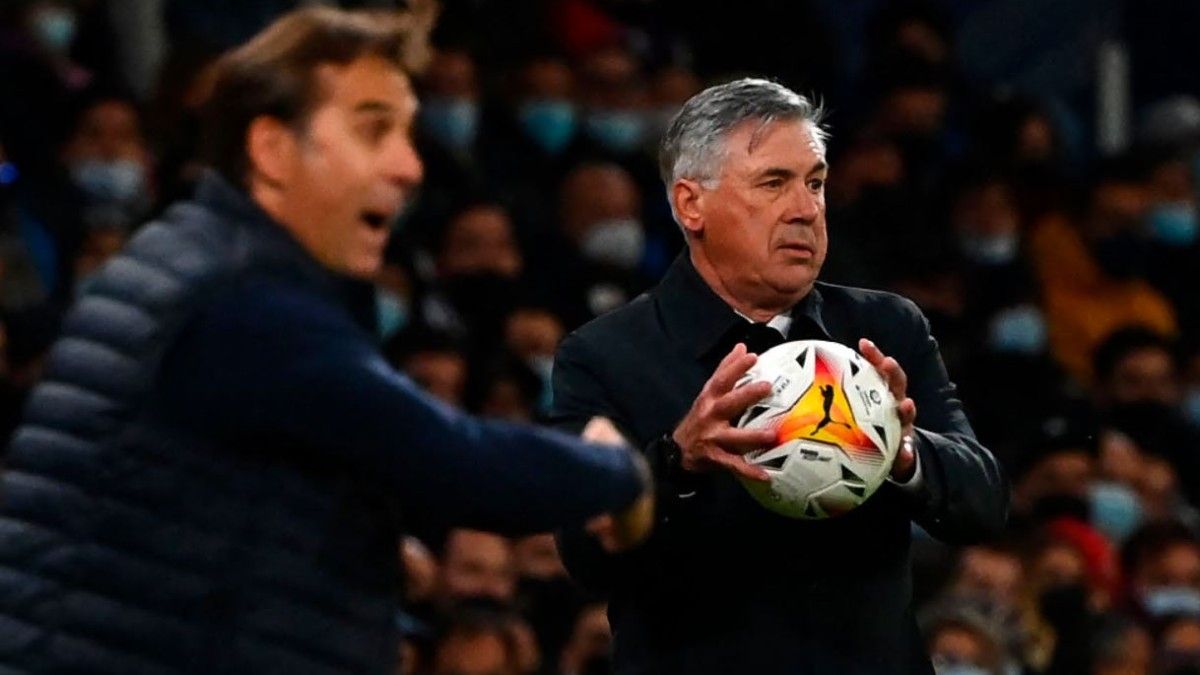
837, 429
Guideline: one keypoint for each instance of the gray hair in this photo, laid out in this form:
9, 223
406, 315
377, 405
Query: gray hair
694, 143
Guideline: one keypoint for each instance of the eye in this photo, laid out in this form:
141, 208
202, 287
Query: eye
816, 184
772, 184
375, 130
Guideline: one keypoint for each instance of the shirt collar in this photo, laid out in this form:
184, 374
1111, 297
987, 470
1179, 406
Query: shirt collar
697, 317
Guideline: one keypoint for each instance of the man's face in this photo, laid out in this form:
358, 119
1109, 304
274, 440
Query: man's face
763, 225
481, 240
348, 174
478, 564
1144, 375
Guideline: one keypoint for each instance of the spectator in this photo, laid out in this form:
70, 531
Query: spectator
1092, 272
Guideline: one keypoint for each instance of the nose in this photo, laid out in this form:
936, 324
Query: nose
805, 206
403, 165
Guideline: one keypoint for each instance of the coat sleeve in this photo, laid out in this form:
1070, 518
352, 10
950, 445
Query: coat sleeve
278, 365
579, 395
966, 493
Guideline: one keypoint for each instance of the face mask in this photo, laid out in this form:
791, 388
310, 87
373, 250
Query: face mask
1018, 330
1161, 601
454, 122
1173, 224
391, 312
958, 669
1191, 406
990, 249
549, 122
55, 28
122, 180
1122, 255
1116, 510
617, 242
620, 131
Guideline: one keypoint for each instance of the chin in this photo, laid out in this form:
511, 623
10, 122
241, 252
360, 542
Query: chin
365, 269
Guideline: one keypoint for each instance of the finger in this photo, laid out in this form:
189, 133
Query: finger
872, 353
735, 402
738, 466
741, 441
896, 378
907, 411
728, 374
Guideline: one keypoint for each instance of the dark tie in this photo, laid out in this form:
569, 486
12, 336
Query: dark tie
759, 337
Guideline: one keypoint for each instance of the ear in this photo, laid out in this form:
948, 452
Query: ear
687, 197
271, 147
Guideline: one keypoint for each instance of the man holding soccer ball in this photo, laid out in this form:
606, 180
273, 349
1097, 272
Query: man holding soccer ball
724, 585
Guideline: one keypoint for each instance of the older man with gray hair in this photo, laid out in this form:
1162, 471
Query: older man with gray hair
723, 585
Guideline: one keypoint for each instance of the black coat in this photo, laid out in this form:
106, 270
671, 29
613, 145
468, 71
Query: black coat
725, 586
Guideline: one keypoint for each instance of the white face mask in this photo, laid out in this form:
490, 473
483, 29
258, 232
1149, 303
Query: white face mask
618, 241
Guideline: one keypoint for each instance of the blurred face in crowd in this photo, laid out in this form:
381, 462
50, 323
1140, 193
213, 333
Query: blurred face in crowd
481, 240
1116, 207
107, 154
990, 573
443, 374
1143, 375
108, 130
953, 644
478, 564
450, 112
1064, 472
477, 653
1179, 643
532, 333
1177, 565
337, 184
758, 236
601, 209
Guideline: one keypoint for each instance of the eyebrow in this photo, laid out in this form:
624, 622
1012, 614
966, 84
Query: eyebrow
374, 106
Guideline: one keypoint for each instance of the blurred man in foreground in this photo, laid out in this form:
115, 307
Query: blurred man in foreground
213, 475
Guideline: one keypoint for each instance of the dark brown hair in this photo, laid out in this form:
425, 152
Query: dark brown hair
274, 73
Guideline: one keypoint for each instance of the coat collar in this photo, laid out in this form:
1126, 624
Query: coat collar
698, 318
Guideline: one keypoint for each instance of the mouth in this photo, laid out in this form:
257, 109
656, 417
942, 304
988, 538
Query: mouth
798, 247
376, 221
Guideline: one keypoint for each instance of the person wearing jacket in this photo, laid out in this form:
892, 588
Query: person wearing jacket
215, 472
723, 585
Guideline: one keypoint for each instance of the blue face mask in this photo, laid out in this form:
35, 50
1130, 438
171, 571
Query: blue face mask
1116, 510
391, 312
942, 667
1191, 405
454, 122
1173, 224
121, 180
549, 122
620, 131
993, 249
1018, 330
1161, 601
55, 28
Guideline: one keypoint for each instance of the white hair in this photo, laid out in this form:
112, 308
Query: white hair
694, 145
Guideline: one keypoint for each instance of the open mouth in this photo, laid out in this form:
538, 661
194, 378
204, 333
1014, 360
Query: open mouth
376, 220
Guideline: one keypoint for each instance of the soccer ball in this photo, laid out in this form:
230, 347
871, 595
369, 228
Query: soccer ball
837, 429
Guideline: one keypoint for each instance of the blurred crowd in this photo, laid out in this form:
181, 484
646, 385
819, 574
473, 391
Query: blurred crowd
1060, 281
